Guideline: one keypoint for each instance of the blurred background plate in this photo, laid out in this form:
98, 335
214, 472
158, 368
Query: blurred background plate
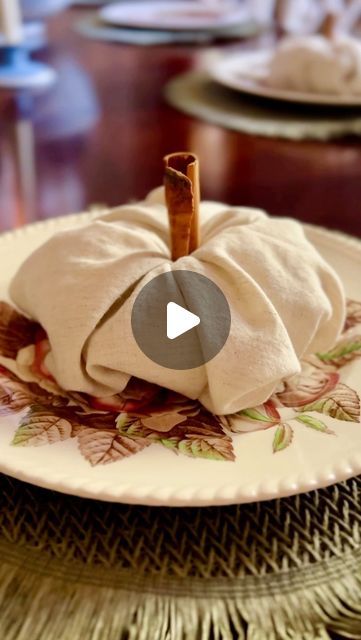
246, 72
91, 26
175, 15
93, 3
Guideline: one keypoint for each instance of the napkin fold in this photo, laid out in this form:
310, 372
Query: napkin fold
81, 285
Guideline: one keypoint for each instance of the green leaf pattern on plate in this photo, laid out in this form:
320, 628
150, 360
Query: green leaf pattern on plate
111, 429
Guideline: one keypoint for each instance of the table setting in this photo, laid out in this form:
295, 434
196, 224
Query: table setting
309, 83
38, 416
180, 362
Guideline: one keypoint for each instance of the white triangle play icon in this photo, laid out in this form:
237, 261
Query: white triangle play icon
179, 320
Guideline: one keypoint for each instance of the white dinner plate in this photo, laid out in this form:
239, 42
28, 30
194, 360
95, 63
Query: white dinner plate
182, 16
247, 72
312, 449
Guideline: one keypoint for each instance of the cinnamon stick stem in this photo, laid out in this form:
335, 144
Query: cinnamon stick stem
193, 174
182, 192
280, 14
329, 25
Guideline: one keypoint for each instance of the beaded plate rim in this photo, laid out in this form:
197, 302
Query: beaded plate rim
94, 486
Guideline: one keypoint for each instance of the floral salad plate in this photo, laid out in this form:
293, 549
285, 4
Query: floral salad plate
152, 446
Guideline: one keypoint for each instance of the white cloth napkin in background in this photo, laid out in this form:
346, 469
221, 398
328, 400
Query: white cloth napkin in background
285, 301
315, 64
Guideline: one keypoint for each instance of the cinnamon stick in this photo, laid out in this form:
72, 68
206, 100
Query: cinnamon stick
329, 25
182, 192
280, 13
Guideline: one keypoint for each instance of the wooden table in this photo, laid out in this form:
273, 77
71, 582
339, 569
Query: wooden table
100, 135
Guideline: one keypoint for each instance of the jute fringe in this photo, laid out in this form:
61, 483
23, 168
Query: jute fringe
39, 606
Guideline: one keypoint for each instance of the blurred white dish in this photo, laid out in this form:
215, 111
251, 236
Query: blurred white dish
247, 72
175, 16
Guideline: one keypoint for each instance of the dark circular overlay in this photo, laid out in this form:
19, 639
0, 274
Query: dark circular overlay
196, 294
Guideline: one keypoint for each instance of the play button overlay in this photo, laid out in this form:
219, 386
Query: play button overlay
181, 319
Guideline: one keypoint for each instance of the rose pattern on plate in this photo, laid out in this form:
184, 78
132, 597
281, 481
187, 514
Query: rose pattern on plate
110, 429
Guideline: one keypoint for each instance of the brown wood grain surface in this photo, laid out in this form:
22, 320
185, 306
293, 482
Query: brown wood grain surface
99, 137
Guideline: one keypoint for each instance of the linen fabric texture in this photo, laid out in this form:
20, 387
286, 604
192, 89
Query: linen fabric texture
285, 301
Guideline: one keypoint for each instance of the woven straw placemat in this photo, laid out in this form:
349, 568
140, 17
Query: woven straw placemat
197, 95
81, 569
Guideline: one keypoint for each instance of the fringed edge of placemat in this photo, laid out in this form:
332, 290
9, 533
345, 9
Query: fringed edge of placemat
45, 607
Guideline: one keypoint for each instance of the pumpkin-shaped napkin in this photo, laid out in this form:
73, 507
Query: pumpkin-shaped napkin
285, 301
316, 64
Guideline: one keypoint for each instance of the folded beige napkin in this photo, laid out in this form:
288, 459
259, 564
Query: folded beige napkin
317, 64
80, 285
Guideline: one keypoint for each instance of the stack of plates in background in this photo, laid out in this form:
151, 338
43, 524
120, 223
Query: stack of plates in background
160, 22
